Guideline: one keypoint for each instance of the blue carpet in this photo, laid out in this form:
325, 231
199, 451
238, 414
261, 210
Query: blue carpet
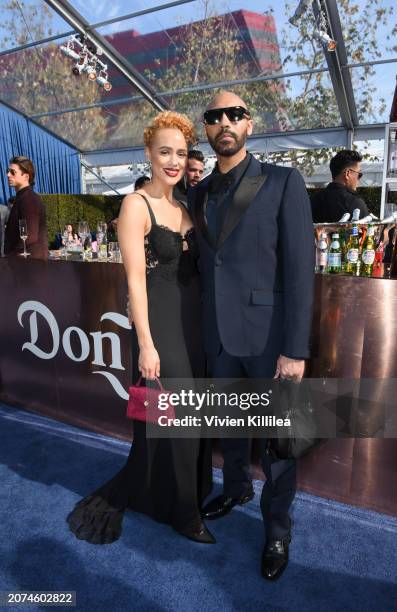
341, 558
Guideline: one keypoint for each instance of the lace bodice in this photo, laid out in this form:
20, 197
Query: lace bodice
170, 254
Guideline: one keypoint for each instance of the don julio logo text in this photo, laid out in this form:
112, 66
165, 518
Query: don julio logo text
80, 339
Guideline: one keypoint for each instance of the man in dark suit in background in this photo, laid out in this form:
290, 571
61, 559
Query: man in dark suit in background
27, 205
340, 197
193, 175
256, 243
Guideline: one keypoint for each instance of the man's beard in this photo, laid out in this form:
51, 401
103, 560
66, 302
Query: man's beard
230, 148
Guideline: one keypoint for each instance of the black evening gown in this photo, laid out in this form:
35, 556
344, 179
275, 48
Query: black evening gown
165, 478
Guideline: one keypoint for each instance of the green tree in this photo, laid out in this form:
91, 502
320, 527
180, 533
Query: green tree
210, 50
39, 79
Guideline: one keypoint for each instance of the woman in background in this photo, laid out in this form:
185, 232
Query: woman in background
69, 237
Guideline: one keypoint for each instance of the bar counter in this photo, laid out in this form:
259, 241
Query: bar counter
65, 353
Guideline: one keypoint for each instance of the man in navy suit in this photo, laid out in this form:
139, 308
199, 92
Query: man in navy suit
255, 234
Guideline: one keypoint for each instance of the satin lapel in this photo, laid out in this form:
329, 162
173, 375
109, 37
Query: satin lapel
243, 196
201, 207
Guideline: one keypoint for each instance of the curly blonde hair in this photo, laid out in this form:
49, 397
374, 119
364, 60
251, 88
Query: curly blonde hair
170, 119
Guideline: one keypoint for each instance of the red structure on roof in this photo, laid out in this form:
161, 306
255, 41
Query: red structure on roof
156, 52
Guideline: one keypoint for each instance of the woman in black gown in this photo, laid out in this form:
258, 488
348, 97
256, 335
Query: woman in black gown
165, 478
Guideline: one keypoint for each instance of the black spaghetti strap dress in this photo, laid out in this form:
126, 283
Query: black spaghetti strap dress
167, 479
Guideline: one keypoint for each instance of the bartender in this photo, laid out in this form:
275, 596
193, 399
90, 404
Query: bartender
340, 197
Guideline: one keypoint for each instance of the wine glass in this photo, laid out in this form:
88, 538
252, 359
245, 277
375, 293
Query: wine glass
102, 227
114, 252
101, 230
83, 230
23, 232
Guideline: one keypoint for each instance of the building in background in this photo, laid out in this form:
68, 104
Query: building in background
157, 52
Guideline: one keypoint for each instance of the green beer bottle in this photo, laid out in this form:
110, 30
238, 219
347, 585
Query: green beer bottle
335, 256
343, 245
352, 252
368, 253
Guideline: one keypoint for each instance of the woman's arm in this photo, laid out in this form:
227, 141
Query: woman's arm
133, 224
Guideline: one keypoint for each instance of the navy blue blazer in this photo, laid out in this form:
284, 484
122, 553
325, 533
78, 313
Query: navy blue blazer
258, 279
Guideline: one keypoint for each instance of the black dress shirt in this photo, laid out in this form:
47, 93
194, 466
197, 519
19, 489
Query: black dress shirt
330, 204
220, 194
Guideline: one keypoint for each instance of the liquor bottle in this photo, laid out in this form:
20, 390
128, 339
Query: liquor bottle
335, 256
103, 248
343, 244
379, 254
352, 252
393, 110
368, 253
322, 253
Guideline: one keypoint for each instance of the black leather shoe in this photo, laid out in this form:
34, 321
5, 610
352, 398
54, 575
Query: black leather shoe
221, 505
203, 535
275, 558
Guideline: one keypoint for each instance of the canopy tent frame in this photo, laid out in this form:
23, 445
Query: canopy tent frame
340, 78
337, 66
267, 143
77, 21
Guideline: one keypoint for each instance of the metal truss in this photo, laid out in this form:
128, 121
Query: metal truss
264, 143
99, 24
337, 65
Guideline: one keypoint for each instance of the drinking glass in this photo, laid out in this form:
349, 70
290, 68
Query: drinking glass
114, 252
23, 232
101, 230
83, 230
102, 227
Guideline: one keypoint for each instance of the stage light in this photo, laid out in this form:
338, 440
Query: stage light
327, 40
86, 60
78, 69
91, 71
68, 51
102, 80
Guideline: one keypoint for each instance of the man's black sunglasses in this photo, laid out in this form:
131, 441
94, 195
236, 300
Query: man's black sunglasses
233, 113
359, 174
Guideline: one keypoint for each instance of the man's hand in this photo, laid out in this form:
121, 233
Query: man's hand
290, 369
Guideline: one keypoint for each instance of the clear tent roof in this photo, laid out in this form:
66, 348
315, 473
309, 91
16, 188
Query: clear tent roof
177, 54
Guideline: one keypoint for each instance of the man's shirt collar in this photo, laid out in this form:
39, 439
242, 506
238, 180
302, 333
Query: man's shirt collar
221, 182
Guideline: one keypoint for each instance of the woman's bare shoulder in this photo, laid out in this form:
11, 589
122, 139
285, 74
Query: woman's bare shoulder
135, 203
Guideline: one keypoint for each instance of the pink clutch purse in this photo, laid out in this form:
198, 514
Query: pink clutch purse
148, 404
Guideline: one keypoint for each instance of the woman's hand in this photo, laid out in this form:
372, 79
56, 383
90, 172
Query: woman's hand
149, 363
